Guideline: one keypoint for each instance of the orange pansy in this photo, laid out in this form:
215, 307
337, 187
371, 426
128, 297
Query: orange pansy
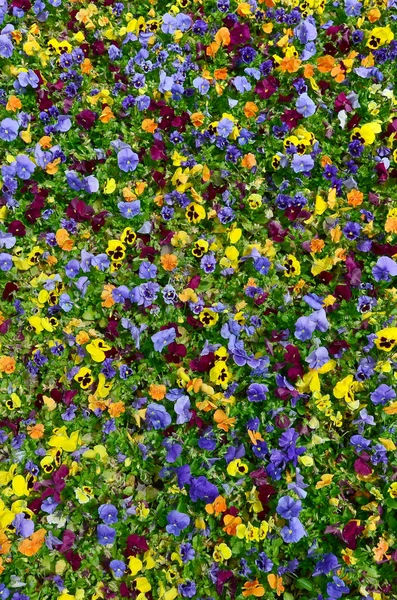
231, 524
157, 392
169, 262
36, 431
253, 588
276, 583
31, 545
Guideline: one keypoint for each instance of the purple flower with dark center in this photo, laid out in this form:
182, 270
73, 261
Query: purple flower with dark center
287, 507
208, 263
264, 563
351, 230
293, 532
247, 54
127, 160
177, 522
187, 552
187, 589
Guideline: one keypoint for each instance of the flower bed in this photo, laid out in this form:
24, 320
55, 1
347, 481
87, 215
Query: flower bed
198, 313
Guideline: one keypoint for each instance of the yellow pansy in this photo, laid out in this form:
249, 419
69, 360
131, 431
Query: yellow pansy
220, 374
234, 234
208, 317
386, 339
393, 490
324, 481
195, 213
110, 186
367, 133
292, 266
236, 468
379, 36
104, 386
254, 201
142, 584
135, 565
97, 349
60, 439
82, 495
221, 552
84, 378
19, 486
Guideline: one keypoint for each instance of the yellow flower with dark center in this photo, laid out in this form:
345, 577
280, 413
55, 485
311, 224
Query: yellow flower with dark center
220, 374
115, 250
254, 201
292, 266
200, 248
236, 468
208, 317
84, 378
128, 236
393, 490
386, 339
195, 213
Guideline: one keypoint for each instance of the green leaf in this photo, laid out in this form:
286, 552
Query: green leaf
304, 584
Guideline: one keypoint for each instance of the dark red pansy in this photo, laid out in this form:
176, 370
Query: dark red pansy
362, 467
17, 228
86, 119
79, 210
350, 533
